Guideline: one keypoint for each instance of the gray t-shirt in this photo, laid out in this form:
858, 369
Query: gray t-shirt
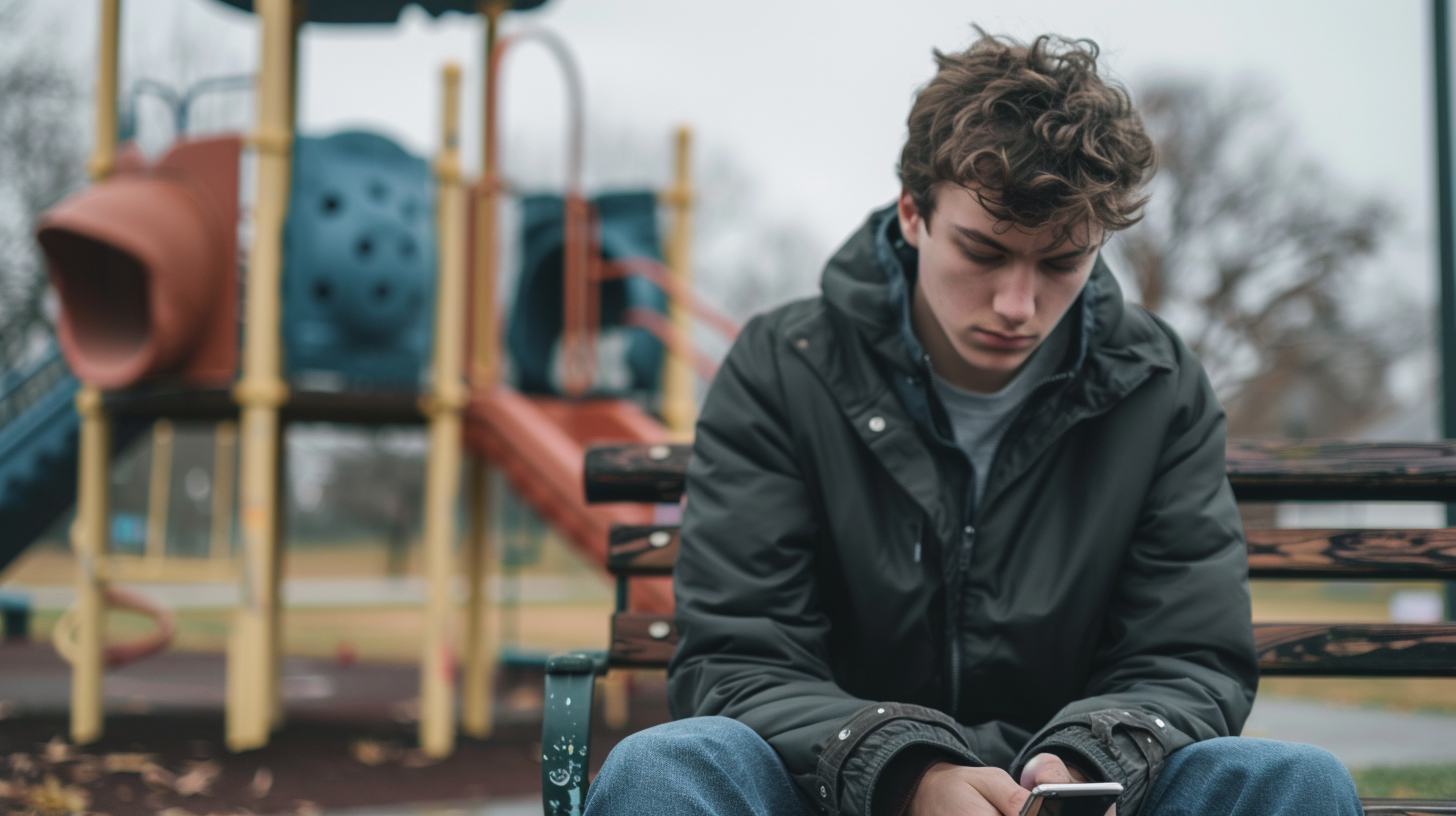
980, 420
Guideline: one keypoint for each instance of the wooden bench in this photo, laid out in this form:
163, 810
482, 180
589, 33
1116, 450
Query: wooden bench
1259, 472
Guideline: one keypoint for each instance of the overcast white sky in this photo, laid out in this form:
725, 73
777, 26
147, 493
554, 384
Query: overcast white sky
810, 96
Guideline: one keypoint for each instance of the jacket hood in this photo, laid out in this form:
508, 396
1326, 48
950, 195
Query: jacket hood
868, 281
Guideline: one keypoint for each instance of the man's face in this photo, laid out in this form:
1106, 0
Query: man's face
989, 294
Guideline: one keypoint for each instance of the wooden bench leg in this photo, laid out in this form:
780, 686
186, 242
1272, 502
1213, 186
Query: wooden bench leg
566, 730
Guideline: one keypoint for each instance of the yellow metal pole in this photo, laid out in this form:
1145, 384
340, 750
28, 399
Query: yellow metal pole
103, 149
88, 534
251, 671
679, 408
477, 705
478, 684
274, 688
484, 356
159, 490
224, 465
442, 469
88, 537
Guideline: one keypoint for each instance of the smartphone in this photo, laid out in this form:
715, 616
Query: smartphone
1077, 799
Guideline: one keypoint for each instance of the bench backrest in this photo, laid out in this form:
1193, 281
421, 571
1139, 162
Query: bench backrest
1258, 471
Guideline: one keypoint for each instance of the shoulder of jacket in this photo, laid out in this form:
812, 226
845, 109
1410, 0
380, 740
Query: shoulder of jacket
782, 323
1152, 338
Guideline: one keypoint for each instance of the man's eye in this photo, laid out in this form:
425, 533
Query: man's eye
980, 259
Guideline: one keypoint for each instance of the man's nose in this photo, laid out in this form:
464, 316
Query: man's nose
1015, 298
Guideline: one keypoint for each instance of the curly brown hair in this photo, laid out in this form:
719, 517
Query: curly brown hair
1034, 131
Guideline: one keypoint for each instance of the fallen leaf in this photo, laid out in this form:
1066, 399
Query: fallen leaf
51, 798
303, 807
158, 778
57, 750
415, 758
198, 778
22, 763
12, 790
373, 752
126, 763
86, 770
262, 783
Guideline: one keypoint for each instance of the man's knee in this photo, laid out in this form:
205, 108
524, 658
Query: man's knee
1251, 758
699, 765
1245, 776
693, 741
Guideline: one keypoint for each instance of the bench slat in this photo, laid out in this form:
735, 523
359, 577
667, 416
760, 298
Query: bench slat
642, 550
1342, 471
1371, 554
1337, 650
1357, 649
643, 640
636, 473
1320, 554
1259, 471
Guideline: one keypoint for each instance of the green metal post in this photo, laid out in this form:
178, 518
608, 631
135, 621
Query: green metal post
1446, 235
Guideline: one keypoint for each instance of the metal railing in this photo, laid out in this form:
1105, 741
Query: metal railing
24, 387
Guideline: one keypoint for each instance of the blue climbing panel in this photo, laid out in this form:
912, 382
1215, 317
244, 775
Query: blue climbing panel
358, 264
629, 357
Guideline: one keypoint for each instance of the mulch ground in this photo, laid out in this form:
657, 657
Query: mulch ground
344, 756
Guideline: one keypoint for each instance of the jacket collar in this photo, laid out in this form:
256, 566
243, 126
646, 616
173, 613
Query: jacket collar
868, 282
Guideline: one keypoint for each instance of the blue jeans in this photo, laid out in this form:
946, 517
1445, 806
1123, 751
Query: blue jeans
714, 765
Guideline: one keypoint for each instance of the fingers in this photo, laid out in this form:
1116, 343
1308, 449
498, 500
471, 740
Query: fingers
1000, 790
1045, 769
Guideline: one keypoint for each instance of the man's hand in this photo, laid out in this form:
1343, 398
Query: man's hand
1049, 769
955, 790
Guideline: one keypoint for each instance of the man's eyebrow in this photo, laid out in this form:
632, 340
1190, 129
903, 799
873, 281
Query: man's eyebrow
977, 235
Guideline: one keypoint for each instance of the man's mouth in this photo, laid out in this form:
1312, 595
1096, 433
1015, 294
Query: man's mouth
1005, 342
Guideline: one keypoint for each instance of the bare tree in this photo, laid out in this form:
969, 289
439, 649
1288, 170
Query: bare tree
1253, 252
41, 159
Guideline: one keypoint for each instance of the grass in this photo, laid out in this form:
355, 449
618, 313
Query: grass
1411, 782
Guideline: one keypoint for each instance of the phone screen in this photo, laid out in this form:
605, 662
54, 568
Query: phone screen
1087, 799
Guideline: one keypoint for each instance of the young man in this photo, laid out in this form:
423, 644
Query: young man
960, 525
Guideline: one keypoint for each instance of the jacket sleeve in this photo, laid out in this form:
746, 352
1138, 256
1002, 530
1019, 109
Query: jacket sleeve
1176, 661
753, 634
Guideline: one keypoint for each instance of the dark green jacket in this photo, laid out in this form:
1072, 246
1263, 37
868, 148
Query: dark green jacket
837, 593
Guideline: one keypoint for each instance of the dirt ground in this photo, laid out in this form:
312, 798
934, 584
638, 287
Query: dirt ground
354, 748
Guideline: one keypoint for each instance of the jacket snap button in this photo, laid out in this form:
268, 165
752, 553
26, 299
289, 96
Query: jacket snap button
877, 424
658, 452
881, 711
658, 630
659, 539
844, 735
801, 343
823, 792
1160, 722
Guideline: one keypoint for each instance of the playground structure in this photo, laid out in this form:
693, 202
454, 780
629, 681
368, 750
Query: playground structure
347, 257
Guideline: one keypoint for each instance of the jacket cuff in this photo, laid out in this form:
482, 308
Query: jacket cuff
1119, 745
901, 776
853, 762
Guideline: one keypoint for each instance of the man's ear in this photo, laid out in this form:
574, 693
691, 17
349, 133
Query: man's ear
909, 218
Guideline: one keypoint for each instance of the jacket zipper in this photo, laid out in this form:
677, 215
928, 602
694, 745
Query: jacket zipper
968, 539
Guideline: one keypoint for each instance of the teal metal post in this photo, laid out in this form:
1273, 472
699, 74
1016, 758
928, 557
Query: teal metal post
1446, 235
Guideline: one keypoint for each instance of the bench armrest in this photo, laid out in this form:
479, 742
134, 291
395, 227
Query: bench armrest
566, 730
